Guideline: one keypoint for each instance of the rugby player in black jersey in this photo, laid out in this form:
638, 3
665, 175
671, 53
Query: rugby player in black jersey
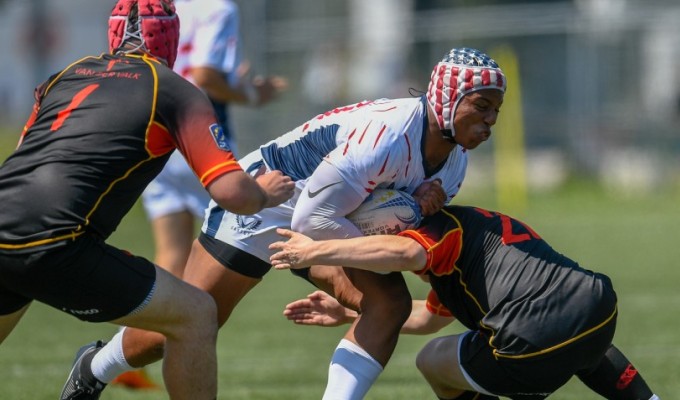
535, 317
100, 130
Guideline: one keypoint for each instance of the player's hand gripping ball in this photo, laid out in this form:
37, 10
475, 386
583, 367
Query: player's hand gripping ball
386, 212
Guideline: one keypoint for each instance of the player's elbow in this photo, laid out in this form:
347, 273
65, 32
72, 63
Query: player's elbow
413, 256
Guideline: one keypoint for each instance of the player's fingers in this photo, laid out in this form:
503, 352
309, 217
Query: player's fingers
285, 232
317, 295
281, 265
297, 304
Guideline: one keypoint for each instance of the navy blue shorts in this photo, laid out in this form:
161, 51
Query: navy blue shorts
85, 277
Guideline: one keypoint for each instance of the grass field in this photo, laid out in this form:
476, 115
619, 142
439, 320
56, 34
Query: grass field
262, 356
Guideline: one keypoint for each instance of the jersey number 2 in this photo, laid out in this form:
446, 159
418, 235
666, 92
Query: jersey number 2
509, 237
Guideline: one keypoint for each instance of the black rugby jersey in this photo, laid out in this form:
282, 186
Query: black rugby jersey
496, 275
101, 130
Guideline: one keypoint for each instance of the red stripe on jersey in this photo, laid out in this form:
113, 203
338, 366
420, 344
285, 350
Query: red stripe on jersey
387, 109
364, 132
379, 135
382, 169
349, 139
408, 144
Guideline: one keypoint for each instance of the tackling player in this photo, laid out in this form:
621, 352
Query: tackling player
210, 56
535, 317
100, 130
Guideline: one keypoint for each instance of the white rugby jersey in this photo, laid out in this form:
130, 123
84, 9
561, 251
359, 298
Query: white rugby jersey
372, 144
209, 36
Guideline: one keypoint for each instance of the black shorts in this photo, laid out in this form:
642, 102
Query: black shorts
535, 377
234, 258
86, 278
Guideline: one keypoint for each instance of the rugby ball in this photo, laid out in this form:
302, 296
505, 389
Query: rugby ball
386, 212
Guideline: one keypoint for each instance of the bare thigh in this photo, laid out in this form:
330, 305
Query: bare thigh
173, 236
227, 287
174, 305
9, 321
438, 362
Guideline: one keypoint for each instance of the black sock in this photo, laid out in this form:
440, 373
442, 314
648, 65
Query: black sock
615, 378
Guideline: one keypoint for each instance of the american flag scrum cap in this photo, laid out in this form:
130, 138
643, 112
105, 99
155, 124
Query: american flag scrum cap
460, 72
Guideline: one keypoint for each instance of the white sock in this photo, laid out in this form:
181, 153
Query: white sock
110, 362
654, 397
351, 373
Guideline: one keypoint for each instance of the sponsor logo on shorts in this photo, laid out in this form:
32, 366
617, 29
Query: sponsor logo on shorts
91, 311
248, 222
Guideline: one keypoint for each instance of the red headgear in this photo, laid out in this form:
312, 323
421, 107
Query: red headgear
156, 27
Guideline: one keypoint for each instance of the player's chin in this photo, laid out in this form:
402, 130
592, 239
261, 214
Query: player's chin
473, 144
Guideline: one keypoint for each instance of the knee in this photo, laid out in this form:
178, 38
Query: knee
200, 322
392, 301
422, 359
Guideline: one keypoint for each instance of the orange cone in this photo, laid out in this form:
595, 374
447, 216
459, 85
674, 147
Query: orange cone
137, 380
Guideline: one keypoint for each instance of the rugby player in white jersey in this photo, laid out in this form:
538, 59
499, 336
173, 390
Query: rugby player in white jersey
418, 145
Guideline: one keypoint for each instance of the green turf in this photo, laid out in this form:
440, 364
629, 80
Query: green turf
262, 356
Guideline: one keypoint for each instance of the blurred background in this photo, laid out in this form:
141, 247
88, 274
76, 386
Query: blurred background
587, 150
594, 85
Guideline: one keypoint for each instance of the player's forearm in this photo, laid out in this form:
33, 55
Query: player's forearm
215, 85
372, 253
419, 322
237, 192
422, 321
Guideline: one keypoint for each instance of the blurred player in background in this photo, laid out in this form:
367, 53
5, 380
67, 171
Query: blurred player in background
100, 130
418, 145
210, 56
535, 317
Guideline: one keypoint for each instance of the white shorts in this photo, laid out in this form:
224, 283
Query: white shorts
251, 233
175, 189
